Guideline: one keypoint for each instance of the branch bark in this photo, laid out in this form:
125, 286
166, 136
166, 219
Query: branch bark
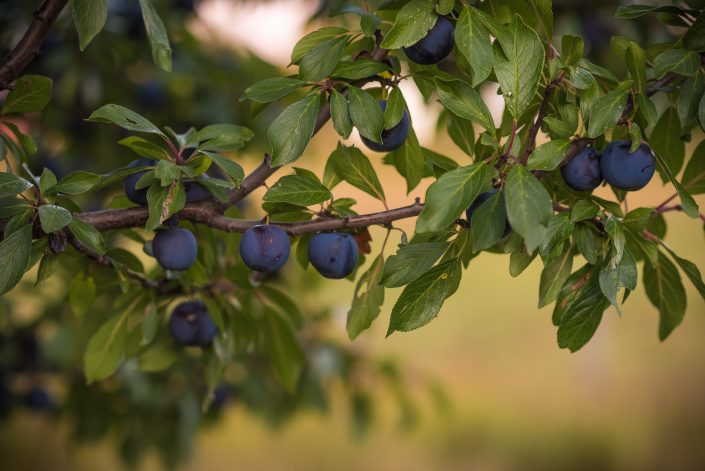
16, 60
323, 224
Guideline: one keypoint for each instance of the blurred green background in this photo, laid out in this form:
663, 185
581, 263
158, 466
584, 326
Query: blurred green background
492, 389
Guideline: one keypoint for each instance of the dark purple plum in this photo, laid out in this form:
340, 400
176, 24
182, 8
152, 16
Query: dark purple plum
391, 138
582, 172
333, 254
626, 170
190, 324
39, 400
265, 248
134, 195
435, 46
175, 248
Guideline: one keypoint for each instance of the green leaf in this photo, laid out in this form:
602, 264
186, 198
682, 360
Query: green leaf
694, 38
691, 270
452, 194
125, 118
88, 236
31, 93
144, 148
53, 218
422, 299
647, 109
89, 16
106, 349
694, 175
221, 137
81, 294
10, 206
26, 143
410, 262
606, 112
284, 350
588, 241
358, 69
680, 61
583, 209
518, 66
665, 290
394, 111
10, 185
15, 252
666, 143
579, 309
351, 165
46, 180
549, 156
690, 207
554, 275
319, 62
366, 114
341, 114
635, 11
272, 89
233, 169
560, 228
461, 132
167, 172
615, 276
164, 202
636, 64
75, 183
286, 306
544, 13
297, 189
529, 207
409, 160
689, 97
572, 49
473, 41
291, 132
412, 23
156, 33
306, 43
366, 304
488, 222
462, 100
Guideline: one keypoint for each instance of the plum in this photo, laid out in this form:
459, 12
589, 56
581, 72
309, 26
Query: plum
333, 254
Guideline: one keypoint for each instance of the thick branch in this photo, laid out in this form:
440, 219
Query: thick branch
323, 224
16, 60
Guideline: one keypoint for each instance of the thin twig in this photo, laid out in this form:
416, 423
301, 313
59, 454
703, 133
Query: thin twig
21, 55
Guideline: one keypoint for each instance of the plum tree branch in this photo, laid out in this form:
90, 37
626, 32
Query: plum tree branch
210, 211
323, 224
22, 54
543, 111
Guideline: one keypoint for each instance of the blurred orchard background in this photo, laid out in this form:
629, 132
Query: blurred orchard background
486, 386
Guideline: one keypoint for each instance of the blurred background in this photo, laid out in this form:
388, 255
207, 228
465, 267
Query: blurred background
484, 386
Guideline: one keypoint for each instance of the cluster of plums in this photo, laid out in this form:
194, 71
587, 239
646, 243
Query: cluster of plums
431, 49
616, 165
264, 248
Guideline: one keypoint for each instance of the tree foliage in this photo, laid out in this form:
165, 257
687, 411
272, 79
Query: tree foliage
592, 249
